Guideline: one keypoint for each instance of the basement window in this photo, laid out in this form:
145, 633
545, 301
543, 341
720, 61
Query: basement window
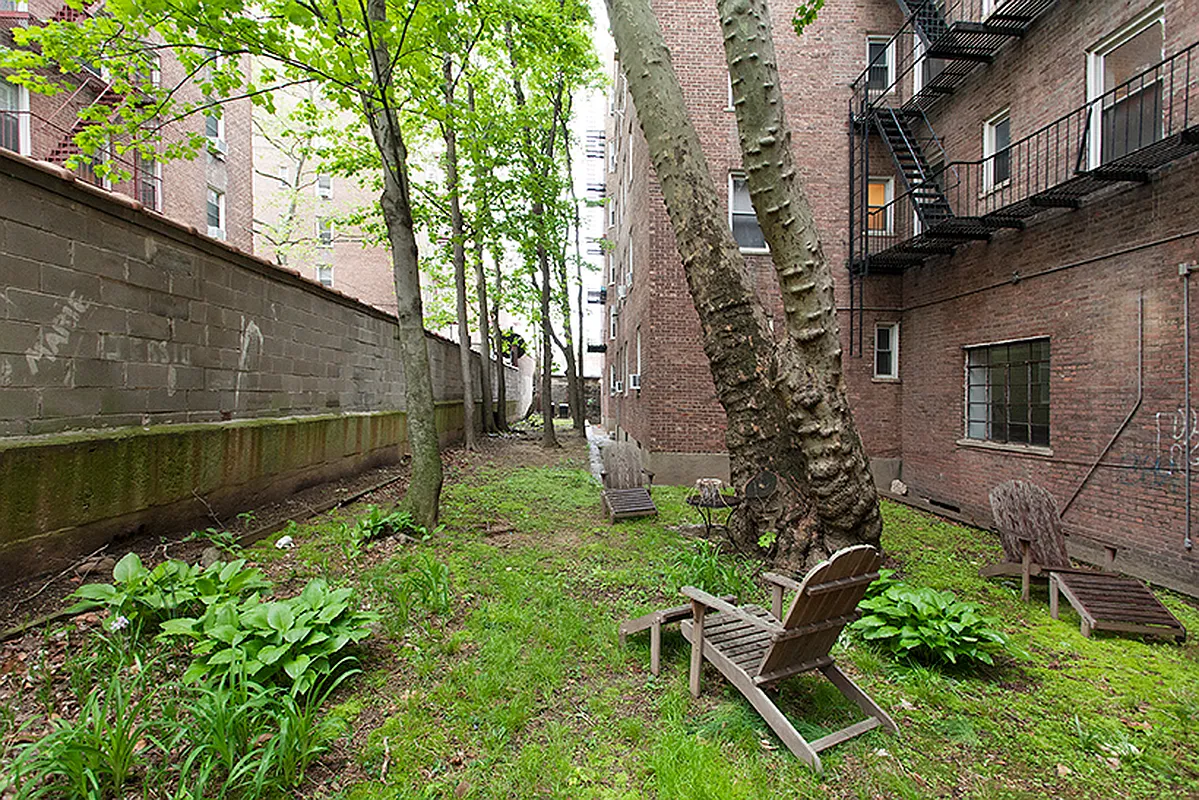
1007, 393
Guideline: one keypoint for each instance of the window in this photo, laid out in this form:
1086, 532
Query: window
742, 219
216, 213
886, 350
628, 265
1007, 392
324, 274
324, 185
12, 6
638, 350
879, 211
880, 55
612, 212
729, 107
628, 157
214, 129
612, 319
285, 174
1121, 77
613, 148
147, 175
14, 117
324, 231
997, 141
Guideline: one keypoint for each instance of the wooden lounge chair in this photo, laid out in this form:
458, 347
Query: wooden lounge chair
755, 649
1030, 530
626, 492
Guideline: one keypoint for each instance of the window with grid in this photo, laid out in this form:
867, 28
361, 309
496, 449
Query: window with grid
1007, 393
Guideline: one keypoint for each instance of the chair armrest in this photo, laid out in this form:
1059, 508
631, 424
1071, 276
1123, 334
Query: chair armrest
782, 580
712, 601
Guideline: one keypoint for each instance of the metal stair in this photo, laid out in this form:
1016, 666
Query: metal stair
929, 200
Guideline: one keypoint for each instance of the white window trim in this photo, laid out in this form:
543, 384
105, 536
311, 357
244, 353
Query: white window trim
21, 7
748, 250
989, 149
894, 374
891, 65
332, 233
1095, 73
888, 208
324, 194
217, 231
729, 107
217, 146
628, 267
613, 214
22, 112
917, 64
319, 268
157, 186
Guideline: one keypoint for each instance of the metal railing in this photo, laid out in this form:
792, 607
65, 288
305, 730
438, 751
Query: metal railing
1122, 134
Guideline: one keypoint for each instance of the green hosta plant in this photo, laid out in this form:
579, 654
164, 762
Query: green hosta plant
928, 626
282, 640
138, 596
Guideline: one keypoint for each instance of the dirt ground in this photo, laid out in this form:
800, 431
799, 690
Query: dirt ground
36, 597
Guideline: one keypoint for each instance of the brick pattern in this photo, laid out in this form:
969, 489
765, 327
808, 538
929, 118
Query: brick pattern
1080, 277
110, 316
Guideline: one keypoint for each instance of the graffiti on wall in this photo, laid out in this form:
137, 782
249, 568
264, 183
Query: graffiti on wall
52, 338
1175, 440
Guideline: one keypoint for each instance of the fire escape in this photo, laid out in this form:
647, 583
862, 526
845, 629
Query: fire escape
935, 205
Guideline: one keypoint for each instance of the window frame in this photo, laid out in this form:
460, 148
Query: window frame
990, 129
219, 231
324, 192
888, 206
893, 375
988, 403
734, 176
323, 267
324, 225
1096, 72
23, 118
891, 65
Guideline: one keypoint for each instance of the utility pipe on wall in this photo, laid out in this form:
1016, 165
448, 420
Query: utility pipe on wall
1185, 271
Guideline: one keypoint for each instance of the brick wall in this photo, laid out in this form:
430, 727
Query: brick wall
111, 316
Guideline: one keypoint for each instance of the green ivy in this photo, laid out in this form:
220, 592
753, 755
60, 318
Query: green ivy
928, 626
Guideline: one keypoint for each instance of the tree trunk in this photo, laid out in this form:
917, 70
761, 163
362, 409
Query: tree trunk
458, 232
574, 366
567, 346
501, 388
480, 229
548, 437
424, 488
786, 406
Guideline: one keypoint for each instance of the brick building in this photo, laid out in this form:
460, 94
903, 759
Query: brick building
211, 193
1005, 190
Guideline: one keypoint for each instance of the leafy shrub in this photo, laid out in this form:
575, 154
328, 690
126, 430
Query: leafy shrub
705, 567
295, 638
143, 596
929, 626
378, 523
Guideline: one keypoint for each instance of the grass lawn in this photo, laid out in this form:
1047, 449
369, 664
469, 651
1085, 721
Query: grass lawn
513, 684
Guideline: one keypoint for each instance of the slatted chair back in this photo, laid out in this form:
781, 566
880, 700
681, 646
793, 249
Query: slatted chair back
1024, 511
825, 603
622, 466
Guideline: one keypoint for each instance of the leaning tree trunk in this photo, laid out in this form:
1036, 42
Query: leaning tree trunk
786, 405
484, 335
573, 377
458, 232
424, 487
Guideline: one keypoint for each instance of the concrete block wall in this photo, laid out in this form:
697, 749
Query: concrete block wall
117, 322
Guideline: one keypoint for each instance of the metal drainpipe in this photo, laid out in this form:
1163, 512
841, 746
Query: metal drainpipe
1185, 271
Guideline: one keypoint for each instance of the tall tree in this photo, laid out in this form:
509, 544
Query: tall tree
786, 403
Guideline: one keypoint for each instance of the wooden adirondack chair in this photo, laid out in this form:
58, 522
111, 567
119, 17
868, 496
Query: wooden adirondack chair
1031, 532
625, 493
755, 649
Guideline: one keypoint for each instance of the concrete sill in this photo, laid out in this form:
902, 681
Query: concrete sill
883, 379
1014, 449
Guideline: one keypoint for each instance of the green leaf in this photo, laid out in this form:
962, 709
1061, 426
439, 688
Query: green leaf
279, 616
296, 666
272, 653
128, 568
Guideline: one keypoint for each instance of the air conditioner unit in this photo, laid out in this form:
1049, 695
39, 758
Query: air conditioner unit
216, 233
635, 381
218, 147
622, 291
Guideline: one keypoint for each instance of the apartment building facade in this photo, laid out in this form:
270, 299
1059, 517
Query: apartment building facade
212, 193
1005, 190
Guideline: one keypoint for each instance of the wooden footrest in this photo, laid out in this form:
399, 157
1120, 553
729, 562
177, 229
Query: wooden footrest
1114, 603
654, 621
627, 503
